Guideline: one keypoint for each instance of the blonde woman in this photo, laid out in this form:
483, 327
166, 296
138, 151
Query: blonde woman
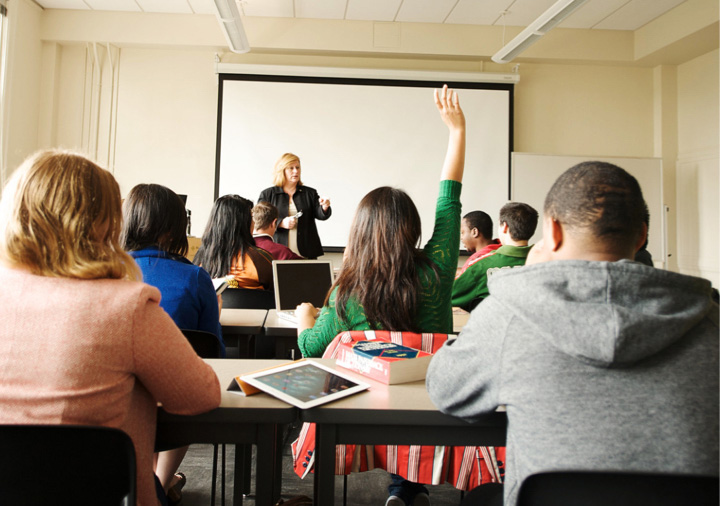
298, 208
83, 341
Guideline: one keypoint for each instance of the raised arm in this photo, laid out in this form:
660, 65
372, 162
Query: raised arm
449, 107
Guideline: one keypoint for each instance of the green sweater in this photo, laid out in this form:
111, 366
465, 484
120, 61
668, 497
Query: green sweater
434, 312
471, 286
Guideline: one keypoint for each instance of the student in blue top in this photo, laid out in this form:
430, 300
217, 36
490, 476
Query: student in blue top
154, 225
155, 222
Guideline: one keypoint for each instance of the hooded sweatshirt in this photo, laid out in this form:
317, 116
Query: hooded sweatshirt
601, 366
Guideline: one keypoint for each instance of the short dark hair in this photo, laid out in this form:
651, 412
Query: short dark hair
154, 215
264, 213
521, 219
602, 198
481, 221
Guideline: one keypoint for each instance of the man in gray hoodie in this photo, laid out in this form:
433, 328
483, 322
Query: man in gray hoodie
602, 363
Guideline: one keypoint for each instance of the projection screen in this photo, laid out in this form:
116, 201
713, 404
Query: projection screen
353, 134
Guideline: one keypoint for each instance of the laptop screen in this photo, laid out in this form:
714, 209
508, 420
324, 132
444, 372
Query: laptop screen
298, 281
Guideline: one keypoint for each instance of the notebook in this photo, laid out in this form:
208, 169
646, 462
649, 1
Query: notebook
298, 281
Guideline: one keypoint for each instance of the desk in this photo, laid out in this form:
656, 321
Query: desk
394, 414
241, 322
241, 421
284, 333
275, 326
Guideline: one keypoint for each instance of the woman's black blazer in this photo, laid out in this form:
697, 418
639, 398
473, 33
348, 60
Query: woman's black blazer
306, 200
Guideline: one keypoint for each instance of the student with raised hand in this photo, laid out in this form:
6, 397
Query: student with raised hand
386, 282
83, 341
154, 225
228, 248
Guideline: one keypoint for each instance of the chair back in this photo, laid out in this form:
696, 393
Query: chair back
205, 344
591, 488
66, 464
243, 298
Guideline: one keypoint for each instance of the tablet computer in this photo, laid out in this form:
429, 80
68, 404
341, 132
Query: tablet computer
305, 384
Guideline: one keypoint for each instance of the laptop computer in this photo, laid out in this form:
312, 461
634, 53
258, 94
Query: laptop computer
298, 281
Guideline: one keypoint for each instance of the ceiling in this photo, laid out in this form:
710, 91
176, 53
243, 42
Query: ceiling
595, 14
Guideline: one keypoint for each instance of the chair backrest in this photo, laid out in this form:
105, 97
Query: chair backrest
66, 464
205, 344
243, 298
589, 488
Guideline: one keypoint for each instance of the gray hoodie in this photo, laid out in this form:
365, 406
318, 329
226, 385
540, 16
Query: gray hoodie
601, 365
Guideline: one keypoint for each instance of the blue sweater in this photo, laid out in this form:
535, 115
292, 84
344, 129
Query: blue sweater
188, 295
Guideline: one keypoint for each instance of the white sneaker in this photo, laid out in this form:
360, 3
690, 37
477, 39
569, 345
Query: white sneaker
394, 500
422, 499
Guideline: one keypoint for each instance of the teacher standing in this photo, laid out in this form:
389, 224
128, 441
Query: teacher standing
298, 208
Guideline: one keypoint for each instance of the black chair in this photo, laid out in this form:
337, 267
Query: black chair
206, 345
242, 298
586, 488
66, 464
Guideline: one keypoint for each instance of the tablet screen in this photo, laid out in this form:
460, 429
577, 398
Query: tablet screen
305, 384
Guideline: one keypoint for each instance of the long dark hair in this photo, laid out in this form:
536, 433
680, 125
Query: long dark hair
153, 215
228, 234
381, 266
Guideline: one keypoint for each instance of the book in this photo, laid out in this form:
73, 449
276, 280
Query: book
383, 361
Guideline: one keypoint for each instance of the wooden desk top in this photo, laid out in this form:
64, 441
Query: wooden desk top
243, 321
275, 326
403, 404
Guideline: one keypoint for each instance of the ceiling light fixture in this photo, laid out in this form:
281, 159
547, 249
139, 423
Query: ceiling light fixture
543, 24
229, 17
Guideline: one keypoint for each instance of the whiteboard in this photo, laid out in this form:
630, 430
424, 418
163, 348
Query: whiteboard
533, 175
353, 135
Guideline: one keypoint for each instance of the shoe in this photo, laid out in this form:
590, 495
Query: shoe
174, 494
394, 500
422, 499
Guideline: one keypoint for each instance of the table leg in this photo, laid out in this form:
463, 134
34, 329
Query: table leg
239, 474
267, 469
325, 437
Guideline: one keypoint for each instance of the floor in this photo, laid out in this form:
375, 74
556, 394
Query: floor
363, 489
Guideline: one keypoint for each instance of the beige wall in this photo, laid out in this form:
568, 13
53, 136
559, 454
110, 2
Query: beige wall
155, 120
21, 105
698, 167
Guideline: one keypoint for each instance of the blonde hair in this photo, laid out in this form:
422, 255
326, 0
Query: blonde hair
60, 216
279, 170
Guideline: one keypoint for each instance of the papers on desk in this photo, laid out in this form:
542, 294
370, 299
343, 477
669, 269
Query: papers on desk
220, 284
302, 383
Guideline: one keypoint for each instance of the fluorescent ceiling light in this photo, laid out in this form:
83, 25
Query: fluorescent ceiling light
544, 23
232, 26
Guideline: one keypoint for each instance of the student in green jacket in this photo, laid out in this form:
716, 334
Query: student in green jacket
388, 283
517, 225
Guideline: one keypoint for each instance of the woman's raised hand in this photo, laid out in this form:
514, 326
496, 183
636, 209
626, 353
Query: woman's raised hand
448, 105
451, 113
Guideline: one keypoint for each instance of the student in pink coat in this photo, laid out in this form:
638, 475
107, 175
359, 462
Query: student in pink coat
82, 340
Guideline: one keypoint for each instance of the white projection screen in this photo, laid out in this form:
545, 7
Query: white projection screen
355, 134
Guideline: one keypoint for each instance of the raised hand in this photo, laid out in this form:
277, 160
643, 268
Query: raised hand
448, 105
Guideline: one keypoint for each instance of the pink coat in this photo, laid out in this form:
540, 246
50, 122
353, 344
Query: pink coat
96, 352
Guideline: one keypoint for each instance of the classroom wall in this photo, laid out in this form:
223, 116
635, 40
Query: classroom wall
24, 58
158, 123
698, 167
